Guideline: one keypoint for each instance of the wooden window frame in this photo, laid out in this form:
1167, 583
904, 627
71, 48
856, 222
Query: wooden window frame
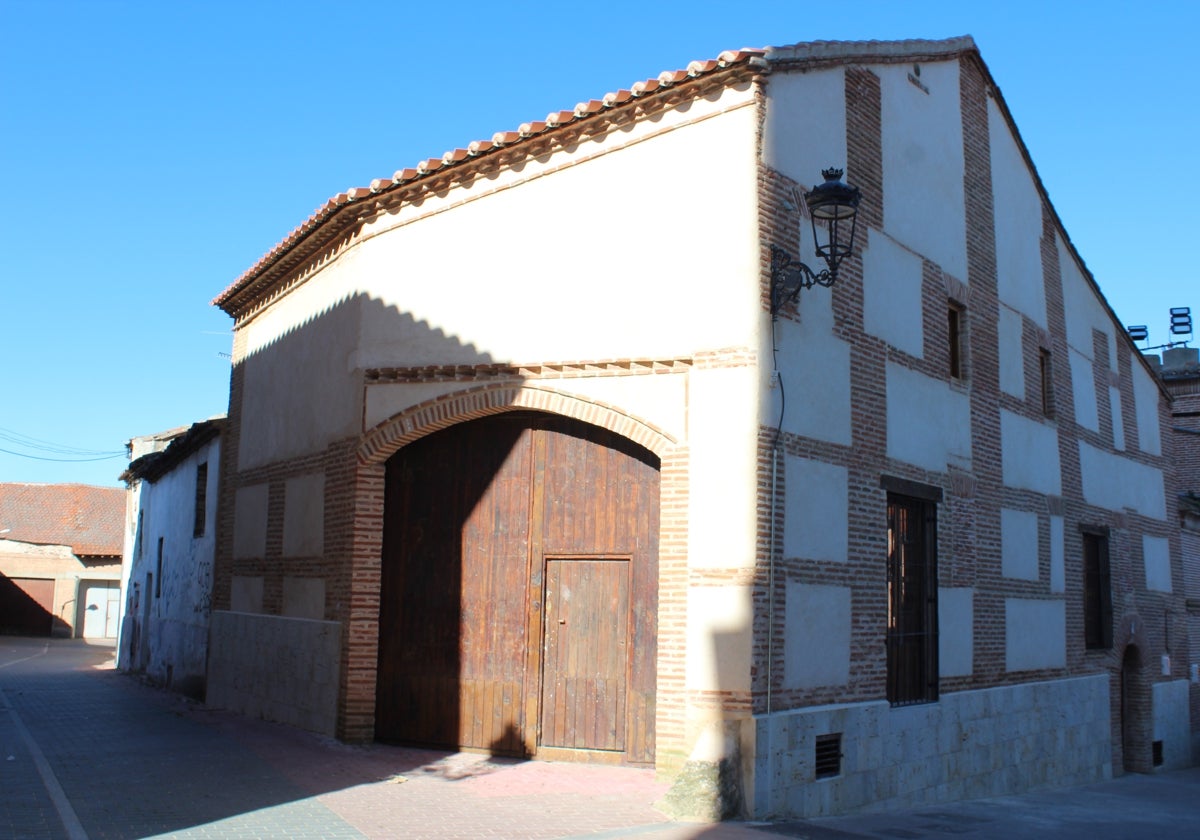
201, 509
912, 626
1097, 590
956, 316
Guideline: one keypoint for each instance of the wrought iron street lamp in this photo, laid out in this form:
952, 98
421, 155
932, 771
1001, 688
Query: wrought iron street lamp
835, 205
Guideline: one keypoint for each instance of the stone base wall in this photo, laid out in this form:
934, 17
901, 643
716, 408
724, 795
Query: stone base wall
1169, 701
968, 745
280, 669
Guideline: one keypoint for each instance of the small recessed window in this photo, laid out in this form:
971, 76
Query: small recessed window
955, 316
828, 757
1046, 377
1157, 753
201, 500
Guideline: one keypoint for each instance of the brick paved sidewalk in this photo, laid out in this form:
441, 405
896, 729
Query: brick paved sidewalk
135, 761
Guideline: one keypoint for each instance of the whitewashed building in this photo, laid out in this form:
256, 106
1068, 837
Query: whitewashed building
528, 451
170, 544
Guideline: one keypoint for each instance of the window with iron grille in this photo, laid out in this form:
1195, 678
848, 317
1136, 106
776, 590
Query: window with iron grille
912, 632
1097, 591
201, 499
828, 757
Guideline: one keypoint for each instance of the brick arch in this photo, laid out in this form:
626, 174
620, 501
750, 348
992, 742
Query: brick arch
358, 672
381, 442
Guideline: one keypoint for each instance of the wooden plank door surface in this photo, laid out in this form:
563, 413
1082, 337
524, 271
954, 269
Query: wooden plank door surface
585, 674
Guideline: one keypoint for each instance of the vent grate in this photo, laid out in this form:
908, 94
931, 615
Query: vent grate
828, 757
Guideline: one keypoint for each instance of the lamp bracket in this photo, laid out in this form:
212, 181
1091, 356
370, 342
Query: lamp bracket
789, 276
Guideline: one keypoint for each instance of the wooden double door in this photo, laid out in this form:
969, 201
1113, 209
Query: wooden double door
519, 588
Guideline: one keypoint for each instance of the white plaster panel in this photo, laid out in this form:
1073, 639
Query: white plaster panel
805, 127
814, 367
1029, 454
1082, 307
250, 522
303, 598
1035, 634
1171, 722
817, 636
1058, 553
1156, 553
928, 422
892, 299
246, 594
1012, 352
816, 522
1019, 544
956, 631
304, 516
298, 393
391, 297
573, 305
1146, 398
1116, 482
1118, 419
1018, 219
1083, 388
923, 201
719, 638
723, 437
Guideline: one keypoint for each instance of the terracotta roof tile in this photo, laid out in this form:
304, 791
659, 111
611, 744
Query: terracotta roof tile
479, 147
91, 520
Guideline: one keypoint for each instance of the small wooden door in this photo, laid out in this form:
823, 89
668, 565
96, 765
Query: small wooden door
586, 667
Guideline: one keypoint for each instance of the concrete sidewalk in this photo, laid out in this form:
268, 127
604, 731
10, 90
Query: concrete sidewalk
87, 752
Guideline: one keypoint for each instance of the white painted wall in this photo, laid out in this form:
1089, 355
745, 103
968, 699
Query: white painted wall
805, 127
1083, 389
817, 635
1029, 454
814, 368
816, 522
1146, 396
1118, 419
923, 202
928, 422
1058, 553
1019, 544
1018, 215
893, 306
173, 644
1035, 634
1156, 554
304, 516
1116, 482
595, 278
1082, 309
956, 631
718, 638
250, 522
723, 498
1011, 331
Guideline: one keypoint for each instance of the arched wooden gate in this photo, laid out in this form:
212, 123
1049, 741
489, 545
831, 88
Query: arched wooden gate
519, 591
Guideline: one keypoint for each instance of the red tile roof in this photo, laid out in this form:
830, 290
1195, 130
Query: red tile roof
501, 139
88, 519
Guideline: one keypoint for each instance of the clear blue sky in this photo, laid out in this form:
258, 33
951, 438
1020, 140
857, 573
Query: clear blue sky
150, 152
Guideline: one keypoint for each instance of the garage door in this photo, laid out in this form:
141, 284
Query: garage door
26, 606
